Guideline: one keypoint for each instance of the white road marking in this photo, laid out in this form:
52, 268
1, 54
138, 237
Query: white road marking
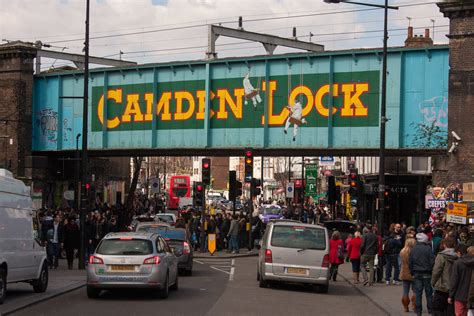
215, 268
232, 270
197, 261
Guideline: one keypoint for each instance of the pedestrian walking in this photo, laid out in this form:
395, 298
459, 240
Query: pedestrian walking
71, 239
54, 242
420, 262
368, 250
442, 276
353, 252
391, 249
406, 276
461, 282
336, 254
233, 235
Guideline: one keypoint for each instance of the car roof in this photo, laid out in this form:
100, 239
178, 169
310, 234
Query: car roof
142, 235
290, 222
154, 224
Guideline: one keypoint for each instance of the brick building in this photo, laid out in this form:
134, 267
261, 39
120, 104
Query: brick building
458, 166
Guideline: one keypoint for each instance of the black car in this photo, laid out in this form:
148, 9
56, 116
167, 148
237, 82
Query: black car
342, 226
178, 240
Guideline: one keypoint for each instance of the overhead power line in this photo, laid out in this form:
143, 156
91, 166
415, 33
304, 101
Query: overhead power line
228, 22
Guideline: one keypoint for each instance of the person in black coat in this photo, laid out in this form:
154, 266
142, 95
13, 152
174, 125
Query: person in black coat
71, 239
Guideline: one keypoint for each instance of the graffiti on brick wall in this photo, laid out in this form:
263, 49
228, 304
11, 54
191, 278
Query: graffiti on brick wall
47, 120
432, 131
67, 130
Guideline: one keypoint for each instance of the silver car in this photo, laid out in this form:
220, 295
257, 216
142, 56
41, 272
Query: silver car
132, 260
293, 252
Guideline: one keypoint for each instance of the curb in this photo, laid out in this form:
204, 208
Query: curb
368, 297
227, 257
41, 299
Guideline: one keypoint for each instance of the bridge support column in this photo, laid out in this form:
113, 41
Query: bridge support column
16, 100
458, 166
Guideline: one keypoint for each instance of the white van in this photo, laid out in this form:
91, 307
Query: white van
22, 258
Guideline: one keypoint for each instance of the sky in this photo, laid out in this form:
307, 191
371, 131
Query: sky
151, 31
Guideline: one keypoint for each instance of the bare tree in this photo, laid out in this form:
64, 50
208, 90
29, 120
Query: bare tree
137, 163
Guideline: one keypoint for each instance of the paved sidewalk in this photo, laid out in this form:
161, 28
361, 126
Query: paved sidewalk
224, 254
386, 297
61, 280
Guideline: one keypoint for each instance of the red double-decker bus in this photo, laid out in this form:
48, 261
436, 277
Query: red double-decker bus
180, 186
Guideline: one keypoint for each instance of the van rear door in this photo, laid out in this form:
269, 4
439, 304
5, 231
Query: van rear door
298, 250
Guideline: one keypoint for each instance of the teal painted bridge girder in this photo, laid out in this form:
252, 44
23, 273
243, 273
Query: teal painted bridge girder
229, 104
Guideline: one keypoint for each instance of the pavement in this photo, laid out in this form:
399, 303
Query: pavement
61, 281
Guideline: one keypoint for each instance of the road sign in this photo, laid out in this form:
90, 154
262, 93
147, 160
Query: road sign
211, 243
290, 190
155, 186
457, 213
326, 161
311, 188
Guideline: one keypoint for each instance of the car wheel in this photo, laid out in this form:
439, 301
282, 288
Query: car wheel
261, 282
41, 284
258, 275
174, 287
93, 292
3, 285
165, 291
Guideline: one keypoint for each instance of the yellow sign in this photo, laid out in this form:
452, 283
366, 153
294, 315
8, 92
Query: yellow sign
211, 243
457, 209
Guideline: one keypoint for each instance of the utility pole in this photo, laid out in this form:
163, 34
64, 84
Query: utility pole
85, 114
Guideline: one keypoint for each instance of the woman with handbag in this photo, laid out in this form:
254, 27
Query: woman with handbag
336, 254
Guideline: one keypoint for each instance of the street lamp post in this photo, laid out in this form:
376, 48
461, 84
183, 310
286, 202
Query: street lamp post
85, 116
76, 175
383, 119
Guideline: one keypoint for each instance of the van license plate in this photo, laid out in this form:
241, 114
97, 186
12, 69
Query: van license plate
116, 267
297, 271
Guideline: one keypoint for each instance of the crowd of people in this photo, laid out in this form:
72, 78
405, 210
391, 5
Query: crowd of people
438, 262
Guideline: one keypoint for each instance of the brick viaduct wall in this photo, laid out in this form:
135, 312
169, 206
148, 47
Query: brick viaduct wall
16, 93
459, 166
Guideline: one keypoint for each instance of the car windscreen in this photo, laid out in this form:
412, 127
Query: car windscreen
165, 233
272, 211
125, 247
166, 218
300, 237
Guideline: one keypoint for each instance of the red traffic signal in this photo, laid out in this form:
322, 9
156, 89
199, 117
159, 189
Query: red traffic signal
248, 153
88, 186
199, 188
205, 165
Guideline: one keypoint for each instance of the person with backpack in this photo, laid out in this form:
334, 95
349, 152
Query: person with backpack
461, 282
336, 254
441, 277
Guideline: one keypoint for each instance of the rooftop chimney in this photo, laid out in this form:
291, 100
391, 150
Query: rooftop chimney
418, 41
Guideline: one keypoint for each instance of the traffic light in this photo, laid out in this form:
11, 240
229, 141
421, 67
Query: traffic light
248, 166
353, 179
198, 194
232, 185
206, 171
255, 187
238, 188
